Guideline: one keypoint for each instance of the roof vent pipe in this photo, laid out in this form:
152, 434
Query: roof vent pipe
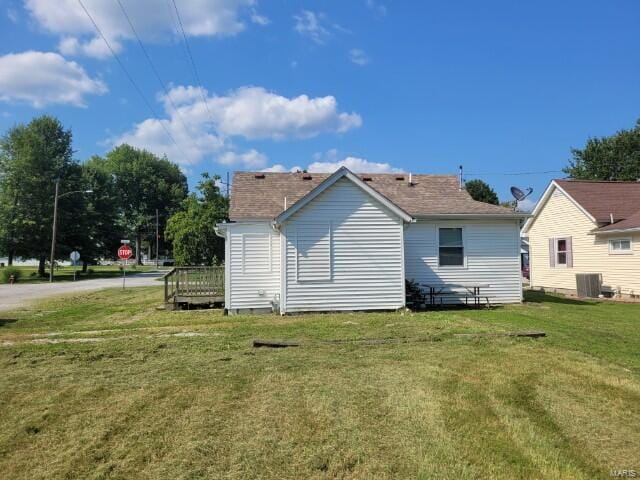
285, 202
410, 180
460, 181
611, 217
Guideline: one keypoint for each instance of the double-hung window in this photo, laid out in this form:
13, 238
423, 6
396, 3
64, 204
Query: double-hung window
561, 251
451, 247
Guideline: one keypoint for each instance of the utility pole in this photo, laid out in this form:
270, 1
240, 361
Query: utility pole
55, 222
53, 233
157, 239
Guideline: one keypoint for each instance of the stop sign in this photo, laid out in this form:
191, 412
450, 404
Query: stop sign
125, 252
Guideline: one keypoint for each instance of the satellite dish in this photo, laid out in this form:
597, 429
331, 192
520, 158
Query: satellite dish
519, 195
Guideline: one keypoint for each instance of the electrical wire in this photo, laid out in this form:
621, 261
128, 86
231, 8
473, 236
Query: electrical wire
513, 173
128, 75
155, 71
192, 61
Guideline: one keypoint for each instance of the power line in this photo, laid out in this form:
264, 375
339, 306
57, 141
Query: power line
193, 63
513, 173
155, 70
128, 75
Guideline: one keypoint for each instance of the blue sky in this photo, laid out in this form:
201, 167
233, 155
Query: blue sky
497, 86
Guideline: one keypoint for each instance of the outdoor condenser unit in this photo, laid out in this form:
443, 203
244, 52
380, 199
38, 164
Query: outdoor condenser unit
588, 284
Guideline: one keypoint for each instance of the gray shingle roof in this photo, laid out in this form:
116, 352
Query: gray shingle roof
260, 195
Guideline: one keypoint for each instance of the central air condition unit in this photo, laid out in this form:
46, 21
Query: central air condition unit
588, 284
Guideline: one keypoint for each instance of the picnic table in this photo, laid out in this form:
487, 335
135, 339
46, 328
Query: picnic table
439, 291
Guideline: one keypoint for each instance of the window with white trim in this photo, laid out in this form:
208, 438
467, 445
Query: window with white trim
313, 259
561, 251
450, 247
620, 246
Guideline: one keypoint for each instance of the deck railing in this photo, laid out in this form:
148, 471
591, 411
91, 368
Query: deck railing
193, 282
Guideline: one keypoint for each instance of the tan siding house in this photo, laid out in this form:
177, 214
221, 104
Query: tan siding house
571, 232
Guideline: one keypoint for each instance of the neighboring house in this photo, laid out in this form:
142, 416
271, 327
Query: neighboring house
586, 227
320, 242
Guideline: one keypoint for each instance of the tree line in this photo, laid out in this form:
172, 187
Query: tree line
130, 189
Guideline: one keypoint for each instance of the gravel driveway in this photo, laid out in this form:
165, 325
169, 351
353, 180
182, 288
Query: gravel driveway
18, 295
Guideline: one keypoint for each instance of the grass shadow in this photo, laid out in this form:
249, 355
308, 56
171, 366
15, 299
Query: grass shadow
544, 297
7, 321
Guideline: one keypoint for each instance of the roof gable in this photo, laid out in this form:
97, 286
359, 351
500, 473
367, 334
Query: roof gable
343, 172
598, 200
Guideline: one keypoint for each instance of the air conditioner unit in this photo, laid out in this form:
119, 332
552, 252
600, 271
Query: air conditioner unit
588, 284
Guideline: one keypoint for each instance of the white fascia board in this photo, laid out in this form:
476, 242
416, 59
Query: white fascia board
337, 175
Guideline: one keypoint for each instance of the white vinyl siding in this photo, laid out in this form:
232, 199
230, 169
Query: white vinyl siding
254, 265
313, 244
256, 253
491, 250
363, 241
560, 217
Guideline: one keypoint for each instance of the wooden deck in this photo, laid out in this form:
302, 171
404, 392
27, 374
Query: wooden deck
185, 286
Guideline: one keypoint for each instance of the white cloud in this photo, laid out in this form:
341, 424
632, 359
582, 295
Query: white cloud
202, 124
259, 19
193, 144
250, 159
45, 78
331, 160
355, 164
12, 14
153, 20
358, 56
255, 113
378, 9
311, 25
279, 168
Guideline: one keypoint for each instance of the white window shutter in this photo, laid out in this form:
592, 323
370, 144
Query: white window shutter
552, 252
569, 252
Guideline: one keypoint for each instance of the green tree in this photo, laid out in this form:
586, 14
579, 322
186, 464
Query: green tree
32, 157
192, 229
481, 192
608, 158
99, 231
143, 183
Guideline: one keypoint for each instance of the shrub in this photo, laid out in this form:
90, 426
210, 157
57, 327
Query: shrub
6, 272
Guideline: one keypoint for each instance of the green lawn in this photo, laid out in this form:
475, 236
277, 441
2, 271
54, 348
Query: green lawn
66, 273
105, 385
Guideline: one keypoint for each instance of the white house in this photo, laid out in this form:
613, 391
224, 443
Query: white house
321, 242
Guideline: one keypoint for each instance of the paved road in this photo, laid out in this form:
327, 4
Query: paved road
18, 295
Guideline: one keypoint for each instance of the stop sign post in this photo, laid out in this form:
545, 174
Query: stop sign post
124, 253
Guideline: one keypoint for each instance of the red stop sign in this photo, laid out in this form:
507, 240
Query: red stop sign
125, 252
